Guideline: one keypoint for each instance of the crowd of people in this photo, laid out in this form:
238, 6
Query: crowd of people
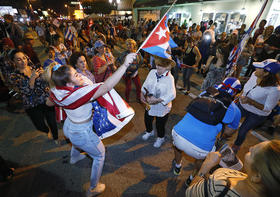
81, 54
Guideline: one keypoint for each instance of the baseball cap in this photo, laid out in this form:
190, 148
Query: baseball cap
270, 65
231, 85
98, 43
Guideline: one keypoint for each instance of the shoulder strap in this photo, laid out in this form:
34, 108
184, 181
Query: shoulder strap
205, 188
225, 191
222, 194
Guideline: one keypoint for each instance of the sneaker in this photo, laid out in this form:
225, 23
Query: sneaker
188, 181
97, 190
75, 160
158, 142
186, 92
57, 142
147, 135
176, 170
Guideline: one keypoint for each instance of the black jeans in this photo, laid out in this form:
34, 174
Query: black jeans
38, 115
251, 121
160, 123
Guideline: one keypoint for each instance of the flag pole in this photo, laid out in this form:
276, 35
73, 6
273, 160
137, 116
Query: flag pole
155, 27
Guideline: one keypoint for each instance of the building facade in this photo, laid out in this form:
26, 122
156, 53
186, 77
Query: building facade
228, 14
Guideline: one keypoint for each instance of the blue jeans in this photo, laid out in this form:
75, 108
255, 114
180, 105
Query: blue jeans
187, 73
83, 137
251, 121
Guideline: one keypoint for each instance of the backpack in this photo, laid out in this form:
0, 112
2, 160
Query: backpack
210, 107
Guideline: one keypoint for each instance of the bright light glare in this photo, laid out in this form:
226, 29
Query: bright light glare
118, 1
207, 37
243, 11
110, 1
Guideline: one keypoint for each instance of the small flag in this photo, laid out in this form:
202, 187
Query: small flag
159, 40
56, 22
68, 34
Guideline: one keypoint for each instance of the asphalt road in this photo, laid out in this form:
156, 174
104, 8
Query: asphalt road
133, 167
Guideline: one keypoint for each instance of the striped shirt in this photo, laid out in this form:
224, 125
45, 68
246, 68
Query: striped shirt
216, 184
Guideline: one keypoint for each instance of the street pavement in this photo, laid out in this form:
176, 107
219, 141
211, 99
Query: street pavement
133, 167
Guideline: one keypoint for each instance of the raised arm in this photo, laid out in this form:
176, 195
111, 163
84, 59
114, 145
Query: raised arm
115, 78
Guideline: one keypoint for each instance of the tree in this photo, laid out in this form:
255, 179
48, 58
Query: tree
97, 7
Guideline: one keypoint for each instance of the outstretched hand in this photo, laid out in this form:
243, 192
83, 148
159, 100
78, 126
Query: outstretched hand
129, 59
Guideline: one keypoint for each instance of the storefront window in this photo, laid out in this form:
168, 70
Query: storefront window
235, 22
207, 17
149, 14
221, 20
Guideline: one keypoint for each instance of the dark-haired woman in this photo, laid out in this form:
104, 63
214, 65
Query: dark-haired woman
102, 63
217, 68
79, 61
260, 95
191, 59
61, 51
34, 91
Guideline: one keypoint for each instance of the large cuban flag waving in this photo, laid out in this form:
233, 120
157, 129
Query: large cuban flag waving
237, 50
159, 40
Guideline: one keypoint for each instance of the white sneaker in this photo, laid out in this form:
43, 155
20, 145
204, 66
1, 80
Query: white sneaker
159, 142
100, 187
147, 135
76, 159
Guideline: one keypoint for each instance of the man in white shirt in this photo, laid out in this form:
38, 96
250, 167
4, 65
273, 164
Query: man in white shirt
157, 93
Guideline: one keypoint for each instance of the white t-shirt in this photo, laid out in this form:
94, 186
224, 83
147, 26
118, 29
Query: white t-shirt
163, 88
83, 112
267, 96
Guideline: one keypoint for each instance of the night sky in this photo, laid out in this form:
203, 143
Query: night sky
56, 5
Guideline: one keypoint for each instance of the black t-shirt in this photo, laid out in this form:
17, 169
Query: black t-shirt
274, 41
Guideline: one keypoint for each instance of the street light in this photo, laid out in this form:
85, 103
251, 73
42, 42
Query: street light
65, 5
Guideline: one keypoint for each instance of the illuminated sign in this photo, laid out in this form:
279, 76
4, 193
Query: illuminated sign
75, 3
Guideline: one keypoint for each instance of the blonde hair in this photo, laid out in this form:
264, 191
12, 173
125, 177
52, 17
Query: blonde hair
265, 32
129, 40
267, 164
47, 75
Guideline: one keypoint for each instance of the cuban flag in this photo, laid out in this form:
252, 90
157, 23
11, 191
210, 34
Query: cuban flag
237, 50
110, 112
159, 40
68, 34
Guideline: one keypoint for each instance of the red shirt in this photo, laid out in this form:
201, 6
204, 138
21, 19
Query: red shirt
97, 63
